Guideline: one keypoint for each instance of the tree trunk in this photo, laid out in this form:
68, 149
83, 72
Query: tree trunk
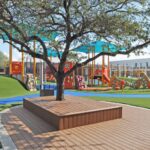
60, 88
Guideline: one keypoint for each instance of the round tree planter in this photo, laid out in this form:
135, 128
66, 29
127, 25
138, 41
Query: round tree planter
72, 112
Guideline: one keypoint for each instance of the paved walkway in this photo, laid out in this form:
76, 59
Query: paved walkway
29, 132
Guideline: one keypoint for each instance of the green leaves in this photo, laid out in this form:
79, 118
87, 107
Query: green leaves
3, 60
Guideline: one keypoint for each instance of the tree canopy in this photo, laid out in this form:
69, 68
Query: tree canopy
3, 60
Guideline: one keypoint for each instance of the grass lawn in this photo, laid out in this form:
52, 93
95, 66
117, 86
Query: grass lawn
10, 87
2, 107
127, 90
140, 102
47, 82
128, 79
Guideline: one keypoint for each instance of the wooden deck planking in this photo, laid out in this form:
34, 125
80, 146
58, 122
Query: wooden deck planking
132, 132
72, 112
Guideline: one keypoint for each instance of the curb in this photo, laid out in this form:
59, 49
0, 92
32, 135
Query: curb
5, 139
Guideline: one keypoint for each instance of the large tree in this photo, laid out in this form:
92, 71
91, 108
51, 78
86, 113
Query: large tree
125, 23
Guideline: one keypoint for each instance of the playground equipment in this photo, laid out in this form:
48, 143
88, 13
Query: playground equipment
101, 75
31, 82
69, 80
117, 83
93, 48
142, 82
83, 86
16, 68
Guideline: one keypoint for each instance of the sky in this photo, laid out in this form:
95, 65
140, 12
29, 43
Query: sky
4, 47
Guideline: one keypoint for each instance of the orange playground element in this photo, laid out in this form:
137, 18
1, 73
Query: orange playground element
117, 84
50, 77
16, 68
102, 75
69, 80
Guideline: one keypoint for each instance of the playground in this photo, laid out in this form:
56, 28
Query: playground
109, 83
66, 79
136, 97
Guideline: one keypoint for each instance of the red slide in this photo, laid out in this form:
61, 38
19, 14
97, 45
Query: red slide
105, 74
106, 77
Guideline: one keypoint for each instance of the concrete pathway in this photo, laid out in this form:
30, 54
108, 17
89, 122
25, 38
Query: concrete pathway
5, 139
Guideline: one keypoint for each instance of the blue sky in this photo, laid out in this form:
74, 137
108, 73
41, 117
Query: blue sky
4, 47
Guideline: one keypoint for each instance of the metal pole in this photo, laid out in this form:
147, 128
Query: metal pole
88, 68
103, 63
94, 66
108, 67
41, 75
34, 60
22, 74
82, 74
10, 57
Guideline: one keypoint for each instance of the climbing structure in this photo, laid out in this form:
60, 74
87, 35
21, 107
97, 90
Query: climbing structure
117, 83
142, 82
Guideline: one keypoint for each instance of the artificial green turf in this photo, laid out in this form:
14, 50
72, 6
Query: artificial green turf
140, 102
5, 106
10, 87
128, 79
127, 90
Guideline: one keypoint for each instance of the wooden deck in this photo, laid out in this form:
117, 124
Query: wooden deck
29, 132
72, 112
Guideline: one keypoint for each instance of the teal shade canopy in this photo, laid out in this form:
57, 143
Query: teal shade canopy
97, 47
53, 53
51, 37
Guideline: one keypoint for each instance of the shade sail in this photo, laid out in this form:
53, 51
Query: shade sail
53, 53
97, 47
51, 37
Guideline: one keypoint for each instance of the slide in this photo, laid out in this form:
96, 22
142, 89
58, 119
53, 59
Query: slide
106, 77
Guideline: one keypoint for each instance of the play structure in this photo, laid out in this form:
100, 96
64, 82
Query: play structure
30, 82
101, 75
69, 80
81, 84
117, 84
142, 82
90, 77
